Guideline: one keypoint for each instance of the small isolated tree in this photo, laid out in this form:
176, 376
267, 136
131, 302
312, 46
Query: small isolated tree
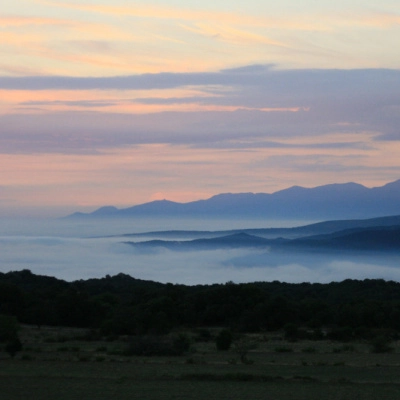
8, 328
291, 332
242, 348
9, 334
223, 340
13, 346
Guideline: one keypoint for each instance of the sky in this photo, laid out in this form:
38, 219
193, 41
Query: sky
113, 102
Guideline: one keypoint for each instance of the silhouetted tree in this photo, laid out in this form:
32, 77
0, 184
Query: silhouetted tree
224, 339
13, 346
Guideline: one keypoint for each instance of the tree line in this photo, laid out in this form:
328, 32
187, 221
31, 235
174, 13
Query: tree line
122, 305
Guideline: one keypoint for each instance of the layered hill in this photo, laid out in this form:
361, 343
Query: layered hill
319, 228
377, 238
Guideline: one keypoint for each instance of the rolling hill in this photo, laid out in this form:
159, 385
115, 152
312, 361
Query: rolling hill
373, 238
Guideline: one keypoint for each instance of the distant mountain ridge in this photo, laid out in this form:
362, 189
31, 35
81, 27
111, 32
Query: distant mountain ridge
333, 201
319, 228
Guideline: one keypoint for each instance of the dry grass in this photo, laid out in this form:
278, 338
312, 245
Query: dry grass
57, 363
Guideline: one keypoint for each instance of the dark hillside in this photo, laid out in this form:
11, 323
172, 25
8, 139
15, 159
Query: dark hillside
121, 304
369, 239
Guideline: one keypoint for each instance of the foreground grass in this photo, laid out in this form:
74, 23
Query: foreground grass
68, 380
55, 364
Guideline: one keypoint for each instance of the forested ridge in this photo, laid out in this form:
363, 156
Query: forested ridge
121, 304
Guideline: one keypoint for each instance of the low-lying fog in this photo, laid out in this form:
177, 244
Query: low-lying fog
74, 250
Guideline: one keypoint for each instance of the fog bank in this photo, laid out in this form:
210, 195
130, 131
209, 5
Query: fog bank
78, 251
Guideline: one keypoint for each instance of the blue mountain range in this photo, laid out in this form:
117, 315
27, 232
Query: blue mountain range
334, 201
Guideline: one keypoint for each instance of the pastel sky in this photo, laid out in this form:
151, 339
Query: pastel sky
114, 102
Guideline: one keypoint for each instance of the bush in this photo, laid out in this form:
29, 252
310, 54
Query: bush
291, 332
13, 346
381, 344
203, 335
349, 348
342, 334
181, 343
283, 349
309, 349
150, 345
223, 341
8, 328
242, 347
84, 358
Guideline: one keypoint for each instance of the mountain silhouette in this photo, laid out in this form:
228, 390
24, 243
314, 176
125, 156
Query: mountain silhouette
334, 201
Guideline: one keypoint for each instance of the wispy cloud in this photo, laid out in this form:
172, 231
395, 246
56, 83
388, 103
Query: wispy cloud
112, 39
229, 34
294, 81
308, 21
150, 98
264, 101
24, 21
141, 10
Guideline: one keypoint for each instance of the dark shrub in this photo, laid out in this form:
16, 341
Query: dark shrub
203, 335
13, 346
342, 334
291, 332
223, 340
181, 344
8, 328
152, 345
381, 344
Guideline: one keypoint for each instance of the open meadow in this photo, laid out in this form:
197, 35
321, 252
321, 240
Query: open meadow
65, 363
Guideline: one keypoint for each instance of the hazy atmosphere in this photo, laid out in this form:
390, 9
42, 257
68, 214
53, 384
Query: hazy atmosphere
76, 250
120, 103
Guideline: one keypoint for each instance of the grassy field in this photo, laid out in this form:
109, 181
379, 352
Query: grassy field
59, 364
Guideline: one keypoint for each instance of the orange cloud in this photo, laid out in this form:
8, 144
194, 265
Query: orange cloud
17, 101
159, 12
229, 34
302, 22
142, 173
123, 39
309, 21
19, 39
18, 21
370, 19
